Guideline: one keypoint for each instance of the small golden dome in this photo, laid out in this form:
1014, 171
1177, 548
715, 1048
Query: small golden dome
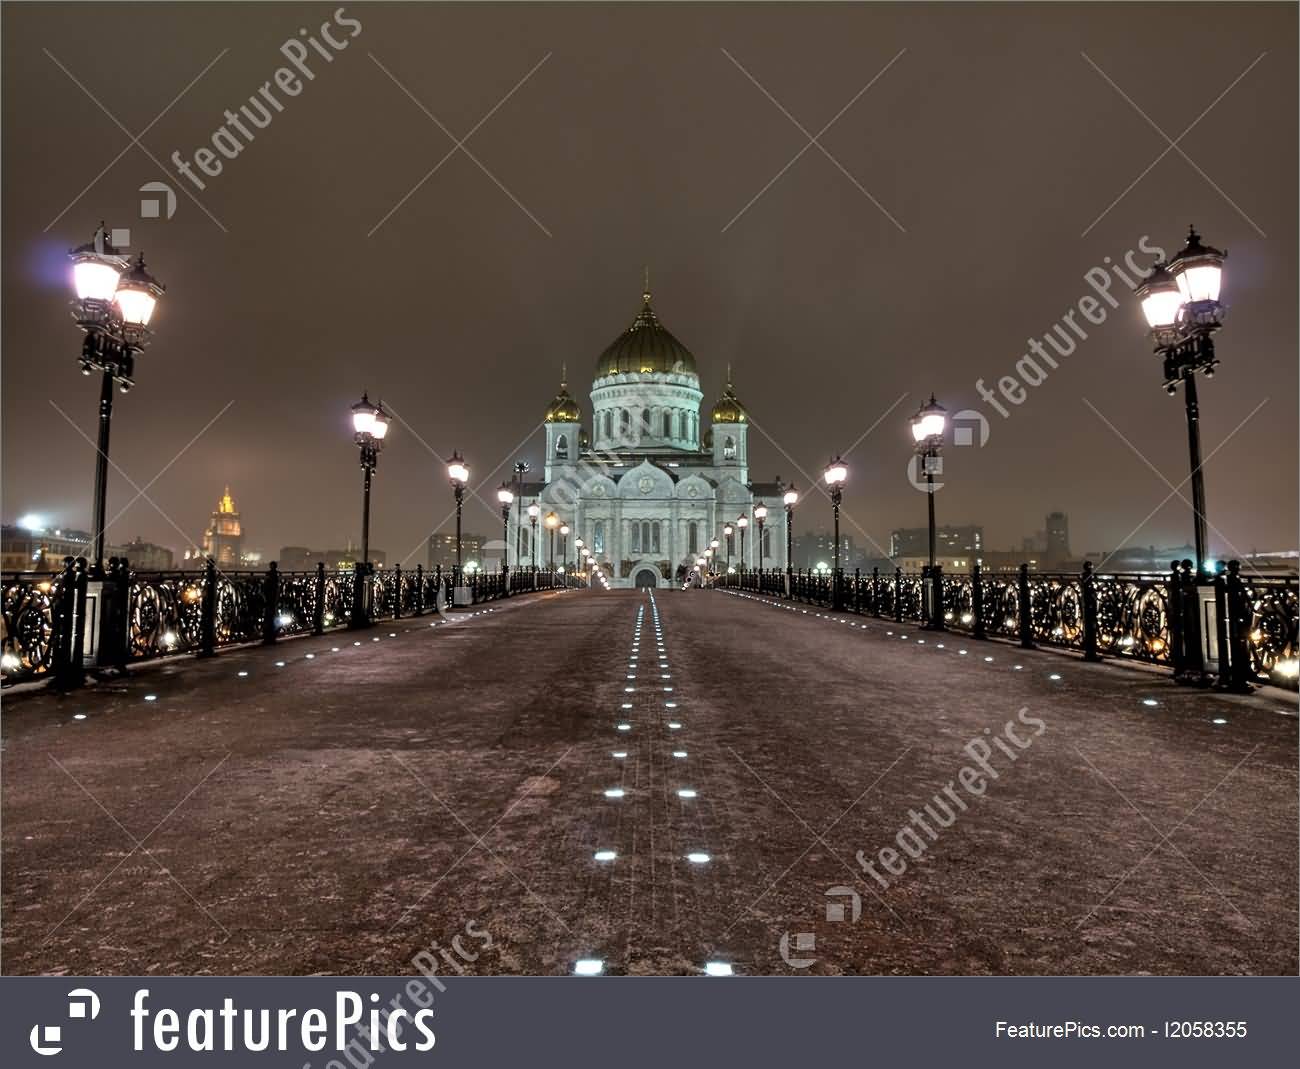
728, 408
563, 408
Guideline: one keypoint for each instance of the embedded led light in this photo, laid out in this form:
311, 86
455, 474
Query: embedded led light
629, 690
334, 649
938, 645
627, 705
698, 858
279, 664
668, 690
614, 792
718, 968
686, 792
1019, 667
604, 855
78, 716
962, 652
1149, 701
1218, 720
679, 753
241, 674
665, 676
375, 639
588, 967
624, 727
670, 705
356, 643
311, 656
673, 725
989, 659
619, 754
392, 634
1054, 676
151, 697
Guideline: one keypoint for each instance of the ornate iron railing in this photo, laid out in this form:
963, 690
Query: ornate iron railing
1151, 618
28, 636
144, 615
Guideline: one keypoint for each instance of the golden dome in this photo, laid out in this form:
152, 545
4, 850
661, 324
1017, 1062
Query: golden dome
646, 346
728, 408
563, 408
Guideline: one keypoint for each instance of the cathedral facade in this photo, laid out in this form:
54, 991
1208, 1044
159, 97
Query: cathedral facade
647, 484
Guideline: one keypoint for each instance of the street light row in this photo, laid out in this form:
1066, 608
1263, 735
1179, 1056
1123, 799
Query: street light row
116, 298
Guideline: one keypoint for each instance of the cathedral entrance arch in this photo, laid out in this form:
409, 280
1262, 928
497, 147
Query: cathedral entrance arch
646, 577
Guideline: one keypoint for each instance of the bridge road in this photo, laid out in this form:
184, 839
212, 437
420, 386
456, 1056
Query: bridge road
343, 807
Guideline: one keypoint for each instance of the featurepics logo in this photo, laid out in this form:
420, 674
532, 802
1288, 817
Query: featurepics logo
233, 136
1045, 354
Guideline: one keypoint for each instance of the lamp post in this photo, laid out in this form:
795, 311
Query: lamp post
564, 546
522, 468
727, 531
369, 426
579, 554
458, 476
1181, 303
533, 512
506, 496
551, 522
790, 498
835, 475
742, 522
928, 427
760, 517
114, 303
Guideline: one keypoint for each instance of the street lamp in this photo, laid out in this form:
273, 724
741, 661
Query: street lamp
928, 428
835, 475
114, 303
742, 522
551, 522
790, 498
522, 467
533, 512
369, 426
458, 475
564, 545
760, 517
506, 496
728, 531
1181, 303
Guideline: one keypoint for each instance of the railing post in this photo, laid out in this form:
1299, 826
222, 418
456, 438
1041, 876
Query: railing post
1088, 585
360, 615
318, 623
1237, 614
114, 614
1193, 669
857, 591
419, 590
439, 602
898, 595
68, 671
977, 599
1174, 614
875, 591
397, 589
208, 609
1025, 605
272, 594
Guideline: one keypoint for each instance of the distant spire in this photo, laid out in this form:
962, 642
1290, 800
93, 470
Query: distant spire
564, 374
728, 374
645, 289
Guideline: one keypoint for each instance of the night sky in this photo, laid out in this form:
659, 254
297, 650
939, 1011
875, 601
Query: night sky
993, 139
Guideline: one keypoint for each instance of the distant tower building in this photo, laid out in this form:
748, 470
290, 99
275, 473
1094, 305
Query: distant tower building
1058, 537
223, 540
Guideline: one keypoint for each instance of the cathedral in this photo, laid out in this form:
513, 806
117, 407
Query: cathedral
644, 485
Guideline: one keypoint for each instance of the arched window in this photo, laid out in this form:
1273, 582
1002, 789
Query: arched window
609, 424
636, 538
598, 538
729, 448
693, 539
624, 421
562, 446
668, 424
645, 423
654, 537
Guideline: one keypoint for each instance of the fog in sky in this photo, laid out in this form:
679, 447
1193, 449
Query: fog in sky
972, 166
